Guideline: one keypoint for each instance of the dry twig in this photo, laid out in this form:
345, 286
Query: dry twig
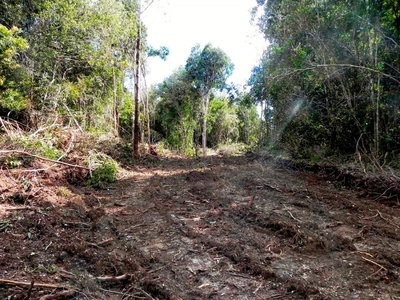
20, 208
28, 284
363, 253
373, 262
28, 294
43, 158
115, 278
292, 215
392, 223
273, 188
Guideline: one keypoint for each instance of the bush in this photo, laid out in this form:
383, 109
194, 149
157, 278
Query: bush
103, 170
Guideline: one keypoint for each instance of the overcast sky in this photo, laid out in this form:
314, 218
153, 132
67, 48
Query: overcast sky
181, 24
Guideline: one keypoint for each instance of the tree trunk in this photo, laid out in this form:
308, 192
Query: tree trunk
147, 116
115, 103
204, 103
136, 96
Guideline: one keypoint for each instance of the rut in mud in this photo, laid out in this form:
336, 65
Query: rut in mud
212, 228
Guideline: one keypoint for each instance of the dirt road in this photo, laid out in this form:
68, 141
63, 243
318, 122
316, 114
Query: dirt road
213, 228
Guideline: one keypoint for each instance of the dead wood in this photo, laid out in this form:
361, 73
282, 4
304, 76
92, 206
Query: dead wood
115, 278
28, 294
43, 158
97, 245
28, 284
373, 262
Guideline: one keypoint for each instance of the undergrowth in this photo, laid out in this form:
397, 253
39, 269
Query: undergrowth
103, 169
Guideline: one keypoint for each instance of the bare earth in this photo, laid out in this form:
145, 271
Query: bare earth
238, 227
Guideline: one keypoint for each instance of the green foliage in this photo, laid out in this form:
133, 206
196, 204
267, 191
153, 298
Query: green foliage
125, 116
76, 63
44, 145
340, 60
12, 97
177, 111
162, 52
20, 13
249, 123
64, 191
208, 68
13, 162
223, 123
103, 170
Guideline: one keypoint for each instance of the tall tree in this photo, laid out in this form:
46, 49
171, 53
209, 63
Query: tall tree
134, 7
208, 69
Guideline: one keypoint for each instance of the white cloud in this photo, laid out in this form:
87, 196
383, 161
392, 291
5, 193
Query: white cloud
181, 24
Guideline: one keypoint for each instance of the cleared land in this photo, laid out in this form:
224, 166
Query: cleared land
241, 227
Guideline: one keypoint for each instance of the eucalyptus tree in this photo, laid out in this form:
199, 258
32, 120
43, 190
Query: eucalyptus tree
208, 69
138, 49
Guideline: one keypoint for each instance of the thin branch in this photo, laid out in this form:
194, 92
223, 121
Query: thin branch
28, 284
28, 294
286, 208
115, 278
148, 5
373, 262
72, 116
43, 158
47, 127
313, 67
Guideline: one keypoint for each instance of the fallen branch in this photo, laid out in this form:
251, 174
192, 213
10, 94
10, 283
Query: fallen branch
146, 294
256, 290
390, 222
20, 208
98, 244
369, 218
372, 262
158, 269
72, 116
28, 294
43, 158
292, 215
115, 278
270, 187
363, 253
28, 284
384, 193
104, 242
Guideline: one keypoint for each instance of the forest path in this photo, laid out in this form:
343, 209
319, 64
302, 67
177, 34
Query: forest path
211, 228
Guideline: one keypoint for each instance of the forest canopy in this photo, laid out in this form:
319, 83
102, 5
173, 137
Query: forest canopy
327, 85
329, 81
